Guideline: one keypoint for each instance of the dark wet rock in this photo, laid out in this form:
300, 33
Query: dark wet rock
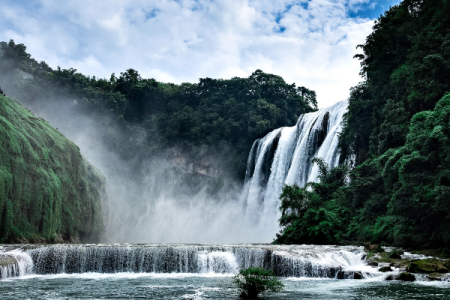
7, 260
430, 265
384, 259
436, 276
8, 266
406, 277
402, 277
373, 259
385, 269
322, 134
349, 275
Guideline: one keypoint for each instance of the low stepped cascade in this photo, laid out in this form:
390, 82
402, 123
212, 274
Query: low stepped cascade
297, 261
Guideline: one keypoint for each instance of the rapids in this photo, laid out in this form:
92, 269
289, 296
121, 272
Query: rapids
293, 260
177, 271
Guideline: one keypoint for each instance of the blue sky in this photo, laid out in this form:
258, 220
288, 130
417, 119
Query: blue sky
372, 9
310, 42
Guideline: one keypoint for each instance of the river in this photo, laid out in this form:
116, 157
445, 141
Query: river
188, 271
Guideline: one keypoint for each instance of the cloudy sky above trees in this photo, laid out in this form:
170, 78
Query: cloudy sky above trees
310, 43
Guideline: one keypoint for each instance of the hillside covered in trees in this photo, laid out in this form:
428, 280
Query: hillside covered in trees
48, 191
143, 117
396, 134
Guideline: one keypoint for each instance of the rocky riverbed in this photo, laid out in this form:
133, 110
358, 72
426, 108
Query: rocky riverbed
407, 266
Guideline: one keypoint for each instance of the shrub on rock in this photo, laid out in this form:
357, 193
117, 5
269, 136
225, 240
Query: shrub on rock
395, 254
254, 281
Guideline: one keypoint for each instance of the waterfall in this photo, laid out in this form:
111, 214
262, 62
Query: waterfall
284, 156
15, 263
292, 260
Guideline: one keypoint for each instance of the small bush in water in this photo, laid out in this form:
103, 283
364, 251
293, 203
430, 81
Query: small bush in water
254, 281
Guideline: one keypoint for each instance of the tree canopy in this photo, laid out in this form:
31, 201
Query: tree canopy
212, 112
395, 134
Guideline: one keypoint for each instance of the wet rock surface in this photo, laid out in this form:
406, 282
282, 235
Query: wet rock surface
6, 260
406, 277
402, 277
407, 264
431, 265
385, 269
437, 276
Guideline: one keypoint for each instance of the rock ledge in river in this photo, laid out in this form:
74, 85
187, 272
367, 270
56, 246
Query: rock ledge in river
402, 276
430, 265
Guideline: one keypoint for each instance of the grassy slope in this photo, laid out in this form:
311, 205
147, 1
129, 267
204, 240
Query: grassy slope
47, 189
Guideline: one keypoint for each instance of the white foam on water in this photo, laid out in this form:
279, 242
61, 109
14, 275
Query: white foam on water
22, 264
129, 261
217, 262
125, 275
409, 255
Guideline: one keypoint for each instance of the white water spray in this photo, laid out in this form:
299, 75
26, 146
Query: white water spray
15, 263
284, 156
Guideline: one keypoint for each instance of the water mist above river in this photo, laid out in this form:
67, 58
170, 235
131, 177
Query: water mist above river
155, 202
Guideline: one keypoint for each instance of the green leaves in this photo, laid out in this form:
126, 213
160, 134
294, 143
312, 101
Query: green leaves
311, 215
399, 145
254, 281
46, 187
233, 112
407, 70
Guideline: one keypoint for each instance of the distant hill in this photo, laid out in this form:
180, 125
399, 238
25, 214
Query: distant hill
215, 117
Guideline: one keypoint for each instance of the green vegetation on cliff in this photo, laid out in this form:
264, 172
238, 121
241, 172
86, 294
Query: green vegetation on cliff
48, 191
397, 134
151, 116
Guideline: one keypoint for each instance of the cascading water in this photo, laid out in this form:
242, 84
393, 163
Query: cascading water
295, 260
284, 156
15, 263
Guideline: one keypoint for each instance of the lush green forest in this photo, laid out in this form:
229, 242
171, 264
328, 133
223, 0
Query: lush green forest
48, 191
393, 184
145, 116
396, 134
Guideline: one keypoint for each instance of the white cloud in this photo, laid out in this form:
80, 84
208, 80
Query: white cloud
184, 40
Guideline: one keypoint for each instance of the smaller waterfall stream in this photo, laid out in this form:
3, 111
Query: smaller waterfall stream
284, 156
15, 263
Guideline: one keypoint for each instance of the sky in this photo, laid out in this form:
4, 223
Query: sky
309, 43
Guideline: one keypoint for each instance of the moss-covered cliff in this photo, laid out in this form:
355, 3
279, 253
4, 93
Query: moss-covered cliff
48, 191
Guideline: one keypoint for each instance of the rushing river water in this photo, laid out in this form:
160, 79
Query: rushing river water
206, 286
185, 271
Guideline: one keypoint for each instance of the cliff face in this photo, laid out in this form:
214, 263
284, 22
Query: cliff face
48, 191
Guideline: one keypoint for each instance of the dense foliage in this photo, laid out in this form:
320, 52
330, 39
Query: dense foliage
308, 216
396, 133
255, 281
48, 192
405, 62
154, 116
